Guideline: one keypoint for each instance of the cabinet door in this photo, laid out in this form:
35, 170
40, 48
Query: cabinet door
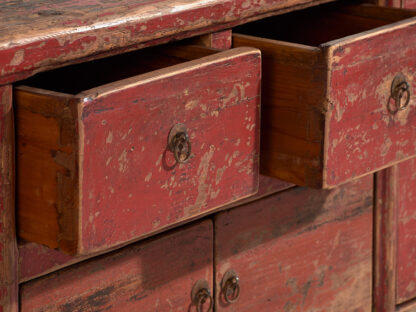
157, 275
300, 250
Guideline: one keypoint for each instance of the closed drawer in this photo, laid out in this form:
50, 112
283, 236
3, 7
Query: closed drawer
299, 250
157, 275
338, 91
96, 168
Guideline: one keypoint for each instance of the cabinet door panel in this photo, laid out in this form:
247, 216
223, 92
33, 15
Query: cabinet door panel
300, 250
157, 275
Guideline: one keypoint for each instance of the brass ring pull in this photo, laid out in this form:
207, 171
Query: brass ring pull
179, 143
201, 295
400, 94
231, 286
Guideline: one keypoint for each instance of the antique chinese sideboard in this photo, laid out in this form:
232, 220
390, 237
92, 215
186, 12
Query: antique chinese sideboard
208, 155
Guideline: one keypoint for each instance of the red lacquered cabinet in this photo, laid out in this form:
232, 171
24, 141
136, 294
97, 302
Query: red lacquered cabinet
199, 156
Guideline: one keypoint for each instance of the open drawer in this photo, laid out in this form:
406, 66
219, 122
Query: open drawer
338, 98
101, 163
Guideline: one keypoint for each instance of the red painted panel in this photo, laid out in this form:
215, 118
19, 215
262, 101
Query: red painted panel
130, 186
385, 236
362, 134
299, 250
156, 275
8, 247
406, 231
221, 39
36, 260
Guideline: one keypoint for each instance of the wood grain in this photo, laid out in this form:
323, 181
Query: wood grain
156, 275
299, 250
406, 231
292, 123
42, 35
217, 40
47, 175
326, 96
385, 238
8, 246
115, 147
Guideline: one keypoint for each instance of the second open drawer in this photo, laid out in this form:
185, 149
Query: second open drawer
97, 168
338, 98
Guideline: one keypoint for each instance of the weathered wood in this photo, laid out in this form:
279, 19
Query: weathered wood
217, 40
406, 231
37, 260
8, 247
326, 96
156, 275
267, 186
292, 126
37, 36
47, 176
299, 250
385, 238
128, 183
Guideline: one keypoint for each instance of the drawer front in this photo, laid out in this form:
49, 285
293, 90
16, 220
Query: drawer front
130, 182
406, 231
300, 250
157, 275
334, 98
121, 162
365, 131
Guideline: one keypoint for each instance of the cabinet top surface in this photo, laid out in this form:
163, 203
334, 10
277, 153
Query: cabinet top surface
36, 35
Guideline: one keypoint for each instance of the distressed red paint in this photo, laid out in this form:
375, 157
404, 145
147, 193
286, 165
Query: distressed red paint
127, 187
50, 34
385, 233
299, 250
363, 136
155, 275
8, 247
129, 183
406, 231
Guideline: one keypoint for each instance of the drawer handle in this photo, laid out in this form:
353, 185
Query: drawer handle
231, 286
179, 143
201, 295
400, 94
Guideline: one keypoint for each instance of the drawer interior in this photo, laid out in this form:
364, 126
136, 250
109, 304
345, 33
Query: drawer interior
84, 76
324, 23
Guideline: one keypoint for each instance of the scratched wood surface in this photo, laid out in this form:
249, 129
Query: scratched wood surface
129, 185
406, 231
36, 260
299, 250
385, 238
363, 138
37, 35
156, 275
8, 246
326, 91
